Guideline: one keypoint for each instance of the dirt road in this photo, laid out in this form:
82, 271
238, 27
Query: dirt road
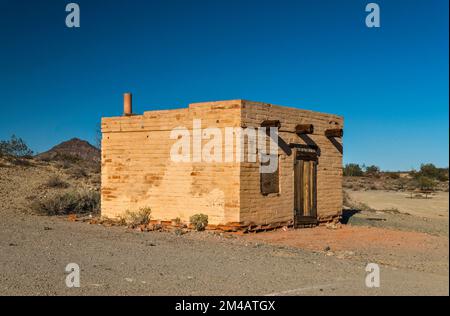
35, 250
435, 206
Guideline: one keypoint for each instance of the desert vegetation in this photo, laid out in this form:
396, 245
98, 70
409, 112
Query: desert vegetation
199, 221
427, 179
15, 152
15, 147
58, 182
68, 202
136, 218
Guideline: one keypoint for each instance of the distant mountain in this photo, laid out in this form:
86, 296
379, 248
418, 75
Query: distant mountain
73, 148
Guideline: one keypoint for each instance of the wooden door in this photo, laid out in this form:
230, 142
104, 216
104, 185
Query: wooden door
305, 191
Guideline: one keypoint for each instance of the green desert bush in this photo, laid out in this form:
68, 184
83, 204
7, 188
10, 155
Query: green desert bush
425, 183
15, 147
353, 170
429, 170
199, 221
372, 171
69, 202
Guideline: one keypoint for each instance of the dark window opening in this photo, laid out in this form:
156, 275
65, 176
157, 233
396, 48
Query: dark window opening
270, 182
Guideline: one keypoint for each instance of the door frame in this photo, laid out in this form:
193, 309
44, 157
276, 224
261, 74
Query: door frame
305, 153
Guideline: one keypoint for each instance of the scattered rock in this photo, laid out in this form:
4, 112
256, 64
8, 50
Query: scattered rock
327, 248
179, 232
154, 227
333, 225
47, 228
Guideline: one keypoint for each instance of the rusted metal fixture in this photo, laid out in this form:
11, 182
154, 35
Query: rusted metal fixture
127, 104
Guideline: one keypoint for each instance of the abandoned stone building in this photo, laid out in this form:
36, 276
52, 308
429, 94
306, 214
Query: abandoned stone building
138, 168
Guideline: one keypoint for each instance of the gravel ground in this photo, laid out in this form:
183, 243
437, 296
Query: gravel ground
34, 251
115, 261
401, 221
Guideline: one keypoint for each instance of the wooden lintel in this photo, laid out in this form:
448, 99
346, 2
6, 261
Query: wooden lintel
304, 129
271, 123
335, 132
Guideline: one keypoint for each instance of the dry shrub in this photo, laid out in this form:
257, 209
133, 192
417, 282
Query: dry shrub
200, 221
55, 181
135, 218
71, 202
63, 164
78, 172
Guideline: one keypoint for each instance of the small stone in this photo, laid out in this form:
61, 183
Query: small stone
178, 232
327, 248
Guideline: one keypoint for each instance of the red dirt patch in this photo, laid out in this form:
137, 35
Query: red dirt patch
347, 238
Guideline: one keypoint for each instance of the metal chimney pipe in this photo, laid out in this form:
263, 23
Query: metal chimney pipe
127, 104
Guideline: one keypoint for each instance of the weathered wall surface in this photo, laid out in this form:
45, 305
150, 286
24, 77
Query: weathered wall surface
137, 170
258, 208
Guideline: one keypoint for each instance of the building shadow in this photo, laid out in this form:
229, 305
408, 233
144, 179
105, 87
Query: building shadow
336, 144
283, 145
347, 214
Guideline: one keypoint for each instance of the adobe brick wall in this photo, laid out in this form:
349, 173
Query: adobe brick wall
261, 209
137, 170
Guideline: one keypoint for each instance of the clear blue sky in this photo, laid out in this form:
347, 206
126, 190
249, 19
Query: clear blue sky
390, 84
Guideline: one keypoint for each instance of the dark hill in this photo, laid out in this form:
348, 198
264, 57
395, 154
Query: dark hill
76, 148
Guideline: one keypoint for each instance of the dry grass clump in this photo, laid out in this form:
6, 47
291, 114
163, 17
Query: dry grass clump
69, 202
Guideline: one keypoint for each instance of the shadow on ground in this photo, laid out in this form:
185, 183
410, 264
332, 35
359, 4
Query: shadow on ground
347, 214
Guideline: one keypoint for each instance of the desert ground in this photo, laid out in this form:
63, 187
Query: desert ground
407, 238
434, 206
